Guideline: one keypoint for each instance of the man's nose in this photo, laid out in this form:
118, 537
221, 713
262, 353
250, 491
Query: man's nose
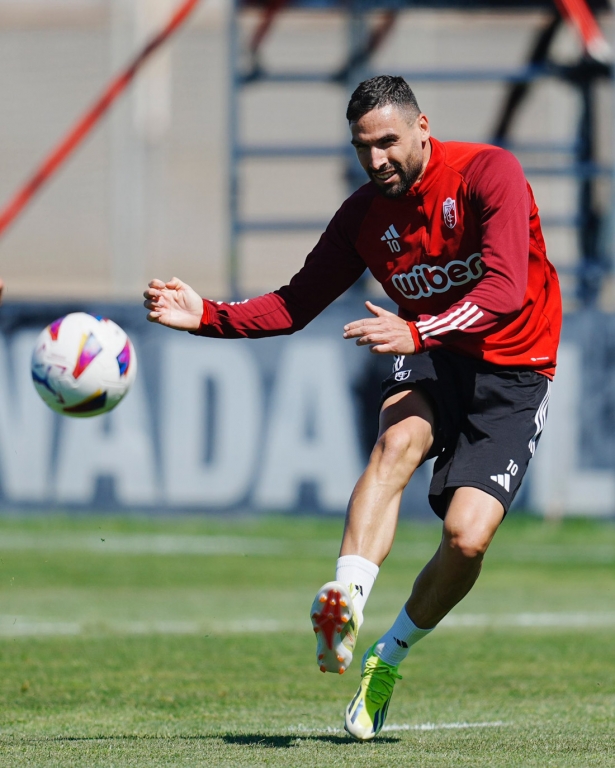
378, 158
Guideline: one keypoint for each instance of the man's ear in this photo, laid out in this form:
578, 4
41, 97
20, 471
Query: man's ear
423, 121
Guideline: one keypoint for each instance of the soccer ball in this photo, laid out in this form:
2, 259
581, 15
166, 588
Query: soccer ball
83, 365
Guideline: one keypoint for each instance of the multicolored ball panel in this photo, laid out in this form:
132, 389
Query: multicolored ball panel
43, 380
94, 403
123, 359
54, 328
90, 347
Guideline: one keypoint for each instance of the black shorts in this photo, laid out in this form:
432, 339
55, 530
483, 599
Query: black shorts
488, 421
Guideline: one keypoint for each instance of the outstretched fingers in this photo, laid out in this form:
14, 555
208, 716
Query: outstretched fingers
384, 349
359, 328
385, 333
378, 311
372, 337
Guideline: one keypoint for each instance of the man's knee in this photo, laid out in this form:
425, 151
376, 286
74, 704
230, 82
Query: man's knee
403, 445
469, 545
471, 521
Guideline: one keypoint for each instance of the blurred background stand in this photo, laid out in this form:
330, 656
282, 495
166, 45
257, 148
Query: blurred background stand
370, 23
222, 164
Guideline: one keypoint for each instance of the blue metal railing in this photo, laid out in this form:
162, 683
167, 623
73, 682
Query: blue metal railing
575, 167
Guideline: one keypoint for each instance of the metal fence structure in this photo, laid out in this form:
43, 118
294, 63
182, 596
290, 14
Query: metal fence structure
573, 158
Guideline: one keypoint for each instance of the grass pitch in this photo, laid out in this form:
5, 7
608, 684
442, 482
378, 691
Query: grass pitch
187, 643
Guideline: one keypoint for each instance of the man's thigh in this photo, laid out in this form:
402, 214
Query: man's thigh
411, 403
431, 379
497, 439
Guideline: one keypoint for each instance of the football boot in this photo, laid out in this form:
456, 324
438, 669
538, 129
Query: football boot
366, 713
336, 624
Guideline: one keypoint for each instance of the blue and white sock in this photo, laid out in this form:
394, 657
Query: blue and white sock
394, 645
356, 570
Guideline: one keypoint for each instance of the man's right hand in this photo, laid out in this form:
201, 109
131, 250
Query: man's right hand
173, 304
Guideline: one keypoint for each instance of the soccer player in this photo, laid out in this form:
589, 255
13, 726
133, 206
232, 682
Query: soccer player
451, 231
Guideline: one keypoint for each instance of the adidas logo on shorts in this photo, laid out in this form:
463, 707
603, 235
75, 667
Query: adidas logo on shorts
503, 480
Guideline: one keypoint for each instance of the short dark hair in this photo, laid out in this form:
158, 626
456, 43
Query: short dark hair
380, 91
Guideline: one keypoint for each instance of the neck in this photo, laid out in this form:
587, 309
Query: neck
426, 157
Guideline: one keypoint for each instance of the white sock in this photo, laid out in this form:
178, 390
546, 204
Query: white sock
354, 569
394, 645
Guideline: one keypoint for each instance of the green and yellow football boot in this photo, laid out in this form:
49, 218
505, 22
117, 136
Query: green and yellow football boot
366, 713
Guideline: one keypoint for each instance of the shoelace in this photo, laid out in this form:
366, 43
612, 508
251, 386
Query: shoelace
380, 678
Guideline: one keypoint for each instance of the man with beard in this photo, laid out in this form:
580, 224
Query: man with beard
451, 231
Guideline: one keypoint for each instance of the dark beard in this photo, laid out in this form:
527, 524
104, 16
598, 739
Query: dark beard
407, 176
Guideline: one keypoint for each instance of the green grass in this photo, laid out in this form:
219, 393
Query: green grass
160, 663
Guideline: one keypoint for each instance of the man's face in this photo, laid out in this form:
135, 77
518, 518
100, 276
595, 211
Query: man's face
393, 151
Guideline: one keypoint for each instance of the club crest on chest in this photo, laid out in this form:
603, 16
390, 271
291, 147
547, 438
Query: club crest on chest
449, 211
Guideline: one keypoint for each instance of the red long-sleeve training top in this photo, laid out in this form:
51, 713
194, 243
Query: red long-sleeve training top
461, 254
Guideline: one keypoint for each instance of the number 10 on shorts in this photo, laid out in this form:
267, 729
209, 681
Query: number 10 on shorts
512, 468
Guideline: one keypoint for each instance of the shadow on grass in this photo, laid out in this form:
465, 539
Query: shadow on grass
124, 737
259, 740
238, 739
284, 742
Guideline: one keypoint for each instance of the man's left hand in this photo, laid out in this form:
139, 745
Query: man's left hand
385, 333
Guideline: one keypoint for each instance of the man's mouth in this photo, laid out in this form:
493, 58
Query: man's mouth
384, 175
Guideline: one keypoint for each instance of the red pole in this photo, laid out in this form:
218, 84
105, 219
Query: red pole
85, 124
580, 14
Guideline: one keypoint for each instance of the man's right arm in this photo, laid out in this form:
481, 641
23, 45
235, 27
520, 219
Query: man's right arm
330, 269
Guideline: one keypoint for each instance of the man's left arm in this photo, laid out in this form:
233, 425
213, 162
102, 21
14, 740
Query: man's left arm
499, 196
